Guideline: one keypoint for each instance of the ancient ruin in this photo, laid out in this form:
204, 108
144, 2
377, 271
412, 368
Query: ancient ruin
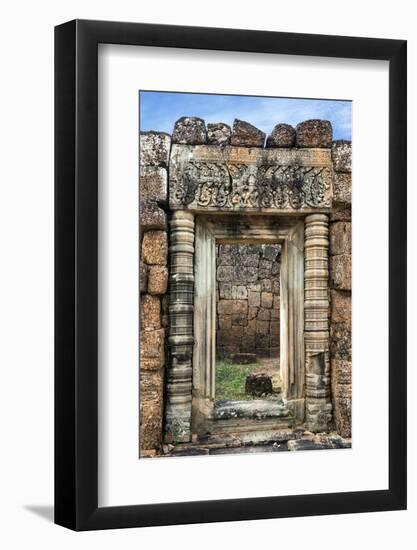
245, 255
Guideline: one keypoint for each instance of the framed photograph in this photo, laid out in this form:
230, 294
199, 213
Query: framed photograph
230, 275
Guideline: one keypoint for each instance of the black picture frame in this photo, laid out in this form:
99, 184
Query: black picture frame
76, 271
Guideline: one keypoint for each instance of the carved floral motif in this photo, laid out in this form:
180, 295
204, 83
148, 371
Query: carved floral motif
238, 186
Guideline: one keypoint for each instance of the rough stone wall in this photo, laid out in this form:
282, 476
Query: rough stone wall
340, 283
248, 295
153, 280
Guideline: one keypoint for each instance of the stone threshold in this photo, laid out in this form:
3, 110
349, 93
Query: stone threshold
258, 442
257, 409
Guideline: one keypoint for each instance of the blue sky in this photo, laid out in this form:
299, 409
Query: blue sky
160, 110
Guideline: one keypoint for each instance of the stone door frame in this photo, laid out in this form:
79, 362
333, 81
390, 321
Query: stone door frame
284, 185
211, 230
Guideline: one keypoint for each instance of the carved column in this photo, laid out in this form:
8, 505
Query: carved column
179, 377
316, 312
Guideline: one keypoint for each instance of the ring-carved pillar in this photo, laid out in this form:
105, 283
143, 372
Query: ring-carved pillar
179, 377
316, 315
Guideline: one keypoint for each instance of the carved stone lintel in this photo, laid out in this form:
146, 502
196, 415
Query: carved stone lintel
316, 312
241, 179
179, 376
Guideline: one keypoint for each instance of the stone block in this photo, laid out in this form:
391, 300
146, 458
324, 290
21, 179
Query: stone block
258, 384
249, 260
275, 330
340, 238
254, 298
143, 277
314, 133
246, 135
266, 285
341, 306
155, 248
252, 313
275, 269
341, 371
190, 130
276, 287
274, 314
151, 364
152, 344
154, 148
262, 327
239, 292
342, 188
282, 135
225, 273
342, 412
267, 300
277, 302
245, 274
341, 272
342, 156
150, 313
225, 322
262, 341
153, 184
151, 216
264, 314
157, 279
341, 341
151, 409
225, 290
265, 267
271, 251
240, 320
341, 212
218, 133
232, 307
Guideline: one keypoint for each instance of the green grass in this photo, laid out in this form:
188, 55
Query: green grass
230, 380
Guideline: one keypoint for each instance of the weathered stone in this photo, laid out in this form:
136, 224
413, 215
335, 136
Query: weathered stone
341, 341
314, 133
264, 314
151, 407
152, 344
239, 292
246, 274
274, 313
266, 285
196, 171
252, 313
266, 300
246, 135
262, 327
254, 299
283, 135
153, 184
341, 272
157, 279
151, 216
342, 188
240, 320
232, 307
225, 322
343, 416
275, 330
225, 290
189, 131
340, 238
155, 248
225, 273
258, 384
218, 133
151, 364
165, 311
341, 212
341, 306
143, 277
341, 371
154, 148
150, 313
342, 156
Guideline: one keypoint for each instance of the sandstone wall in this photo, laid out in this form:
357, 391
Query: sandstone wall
153, 279
248, 295
340, 282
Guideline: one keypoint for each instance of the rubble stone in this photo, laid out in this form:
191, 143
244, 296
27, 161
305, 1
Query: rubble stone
246, 135
218, 133
314, 133
190, 130
283, 135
